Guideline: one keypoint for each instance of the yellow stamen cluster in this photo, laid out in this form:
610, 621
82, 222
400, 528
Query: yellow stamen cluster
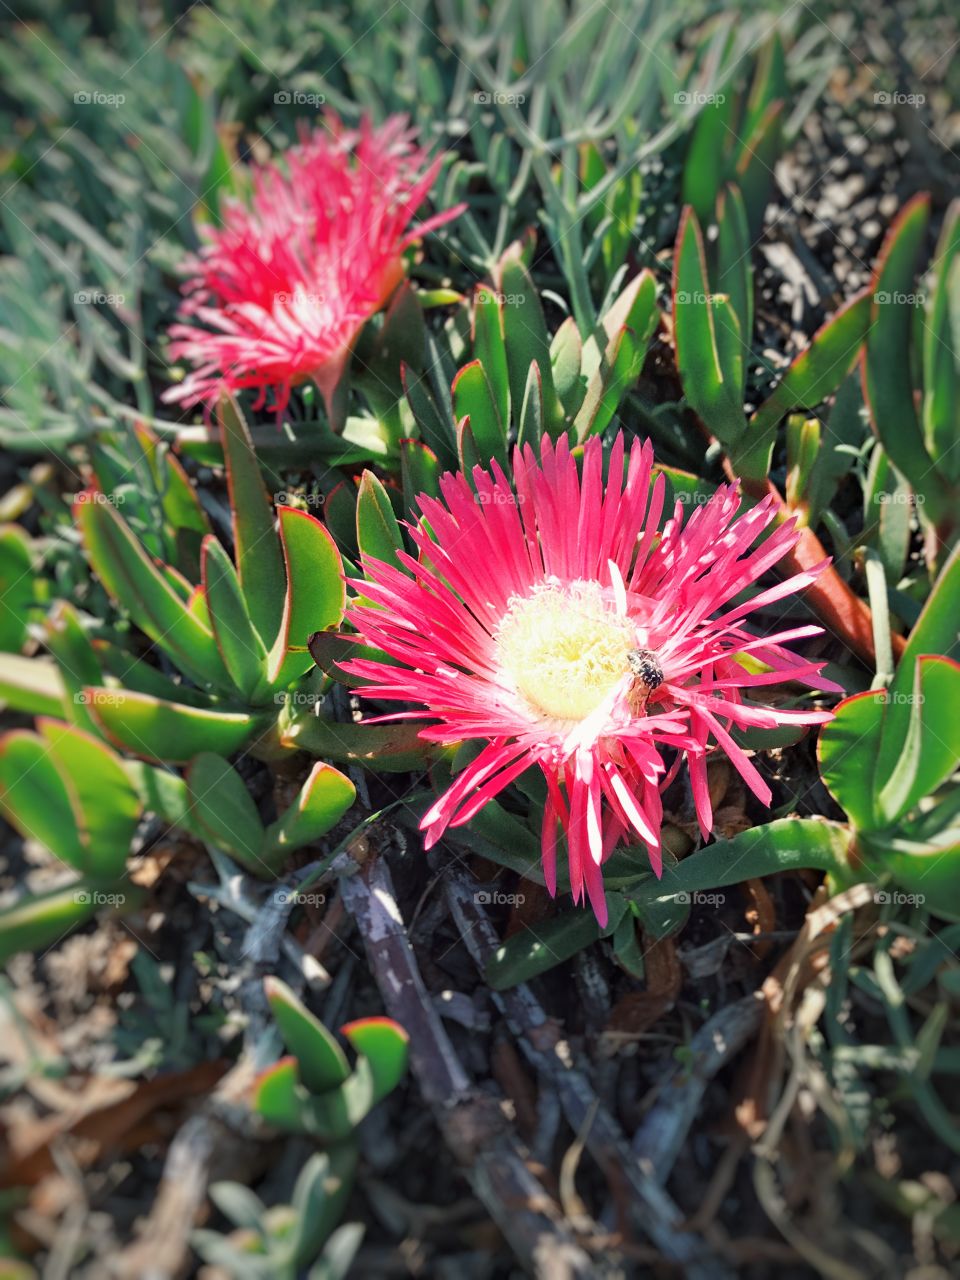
564, 647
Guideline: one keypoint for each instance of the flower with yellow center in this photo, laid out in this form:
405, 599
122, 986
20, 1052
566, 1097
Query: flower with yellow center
565, 648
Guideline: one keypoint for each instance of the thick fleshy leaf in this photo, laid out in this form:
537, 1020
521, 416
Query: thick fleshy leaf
941, 352
530, 422
814, 374
322, 801
238, 640
16, 587
79, 665
473, 399
391, 748
279, 1097
468, 452
935, 632
35, 798
134, 581
888, 383
624, 355
256, 546
170, 732
378, 531
912, 766
787, 844
707, 161
734, 272
929, 869
525, 335
755, 165
316, 593
490, 348
420, 471
319, 1199
847, 751
31, 685
222, 808
323, 1064
533, 951
566, 351
712, 390
38, 921
105, 803
385, 1045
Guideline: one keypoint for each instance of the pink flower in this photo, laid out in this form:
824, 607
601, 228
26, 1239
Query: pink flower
558, 626
281, 290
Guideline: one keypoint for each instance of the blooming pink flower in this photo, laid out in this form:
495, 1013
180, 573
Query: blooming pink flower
281, 290
558, 625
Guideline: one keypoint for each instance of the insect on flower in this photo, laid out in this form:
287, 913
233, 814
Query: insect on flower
647, 677
569, 632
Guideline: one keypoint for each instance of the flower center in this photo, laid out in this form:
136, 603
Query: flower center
564, 647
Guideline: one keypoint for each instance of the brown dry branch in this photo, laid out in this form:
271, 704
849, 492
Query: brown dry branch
540, 1039
472, 1123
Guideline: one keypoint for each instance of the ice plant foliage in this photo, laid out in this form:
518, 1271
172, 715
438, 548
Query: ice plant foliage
558, 625
279, 292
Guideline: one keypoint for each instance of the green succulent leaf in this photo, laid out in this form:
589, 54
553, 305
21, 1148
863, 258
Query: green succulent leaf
473, 399
322, 801
525, 335
315, 596
38, 921
259, 556
106, 805
392, 748
323, 1065
144, 591
385, 1045
888, 378
490, 348
16, 587
378, 531
222, 809
171, 732
32, 685
535, 950
713, 389
814, 374
941, 352
239, 642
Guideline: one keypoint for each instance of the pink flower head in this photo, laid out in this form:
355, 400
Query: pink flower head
281, 290
559, 626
